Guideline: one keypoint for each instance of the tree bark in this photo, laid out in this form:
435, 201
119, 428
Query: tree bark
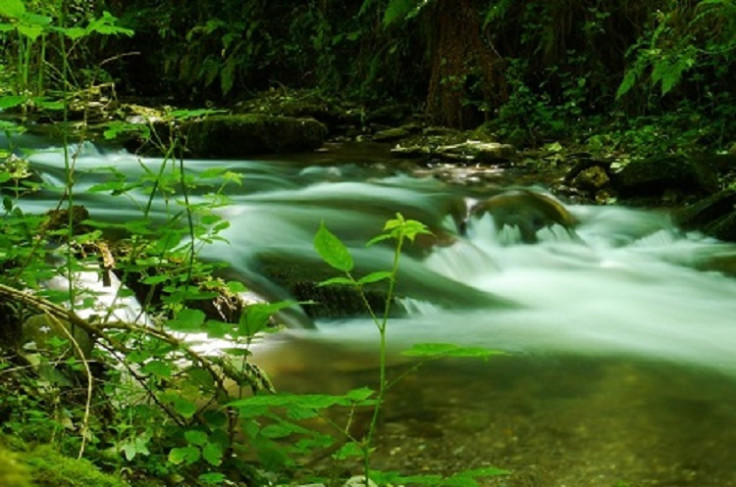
466, 82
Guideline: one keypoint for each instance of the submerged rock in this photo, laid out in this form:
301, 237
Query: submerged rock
714, 216
526, 210
246, 134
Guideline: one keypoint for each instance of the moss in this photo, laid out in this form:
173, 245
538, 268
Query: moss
245, 134
51, 468
12, 471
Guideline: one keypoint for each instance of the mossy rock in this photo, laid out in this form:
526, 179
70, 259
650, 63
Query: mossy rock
13, 472
528, 210
231, 136
655, 175
50, 468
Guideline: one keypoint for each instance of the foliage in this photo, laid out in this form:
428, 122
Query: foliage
38, 35
336, 254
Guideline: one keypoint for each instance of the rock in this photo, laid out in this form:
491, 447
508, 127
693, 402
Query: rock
714, 215
412, 151
591, 179
359, 481
246, 134
529, 211
656, 175
391, 134
477, 151
59, 219
39, 330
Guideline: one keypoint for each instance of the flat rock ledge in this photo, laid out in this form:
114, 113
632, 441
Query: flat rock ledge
229, 136
470, 151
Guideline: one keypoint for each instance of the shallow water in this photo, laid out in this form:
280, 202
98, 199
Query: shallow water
621, 357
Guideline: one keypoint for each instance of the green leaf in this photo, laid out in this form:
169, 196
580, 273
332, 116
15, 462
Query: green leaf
378, 238
338, 281
361, 394
628, 82
332, 250
186, 114
184, 407
200, 377
274, 431
12, 8
196, 437
438, 350
313, 401
106, 25
215, 418
212, 478
218, 329
236, 287
118, 127
187, 455
135, 446
397, 10
30, 31
213, 453
348, 450
11, 101
187, 320
74, 33
158, 368
375, 277
256, 316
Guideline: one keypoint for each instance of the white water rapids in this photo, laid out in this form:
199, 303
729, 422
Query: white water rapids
622, 347
628, 284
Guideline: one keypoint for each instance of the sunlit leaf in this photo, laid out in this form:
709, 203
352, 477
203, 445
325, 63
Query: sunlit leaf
184, 407
313, 401
12, 8
337, 281
212, 478
187, 320
212, 453
348, 450
186, 455
332, 250
274, 431
196, 437
375, 277
256, 316
11, 101
158, 368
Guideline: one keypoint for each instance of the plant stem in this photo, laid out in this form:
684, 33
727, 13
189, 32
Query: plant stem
383, 383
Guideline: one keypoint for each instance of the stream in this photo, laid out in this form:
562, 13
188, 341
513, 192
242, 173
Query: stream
620, 349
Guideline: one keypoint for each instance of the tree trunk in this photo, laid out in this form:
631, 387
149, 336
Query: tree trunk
466, 82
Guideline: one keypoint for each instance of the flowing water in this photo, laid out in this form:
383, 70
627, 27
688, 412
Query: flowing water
620, 360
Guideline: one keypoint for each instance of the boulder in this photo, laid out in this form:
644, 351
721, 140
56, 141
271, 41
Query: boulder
391, 134
529, 211
656, 175
591, 179
714, 215
246, 134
